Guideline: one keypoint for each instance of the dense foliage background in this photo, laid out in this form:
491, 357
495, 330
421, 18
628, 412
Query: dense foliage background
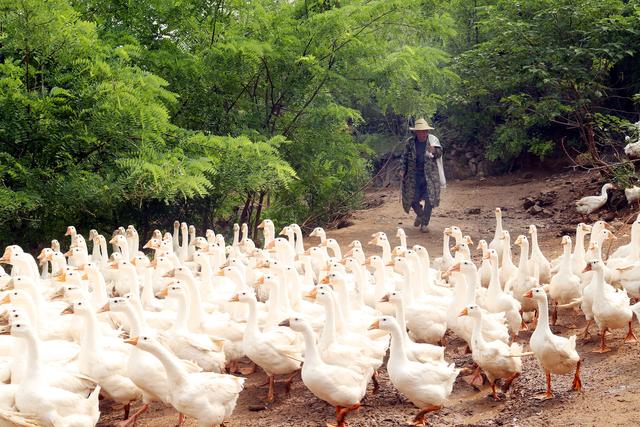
220, 111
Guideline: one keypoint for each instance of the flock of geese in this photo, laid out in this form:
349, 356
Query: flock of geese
181, 326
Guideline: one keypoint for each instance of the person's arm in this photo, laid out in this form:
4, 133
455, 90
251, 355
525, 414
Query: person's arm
435, 151
403, 169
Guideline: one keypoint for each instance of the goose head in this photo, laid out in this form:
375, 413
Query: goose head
538, 294
471, 310
71, 231
297, 324
385, 323
245, 296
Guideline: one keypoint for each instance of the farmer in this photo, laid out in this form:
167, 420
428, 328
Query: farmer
421, 173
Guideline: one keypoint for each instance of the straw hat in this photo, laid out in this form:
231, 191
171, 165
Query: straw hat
421, 124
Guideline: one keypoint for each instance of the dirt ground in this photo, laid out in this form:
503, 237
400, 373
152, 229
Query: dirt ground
611, 392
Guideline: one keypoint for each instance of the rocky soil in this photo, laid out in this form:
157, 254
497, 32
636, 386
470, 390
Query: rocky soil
611, 393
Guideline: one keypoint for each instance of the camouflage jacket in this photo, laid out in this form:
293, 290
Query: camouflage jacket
409, 178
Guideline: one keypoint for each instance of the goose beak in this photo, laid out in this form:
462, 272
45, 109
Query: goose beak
391, 263
385, 298
271, 244
68, 254
235, 298
529, 294
455, 267
170, 273
163, 293
132, 341
104, 308
261, 225
5, 300
220, 272
313, 294
325, 280
486, 256
374, 325
286, 323
587, 268
68, 310
464, 312
608, 227
260, 281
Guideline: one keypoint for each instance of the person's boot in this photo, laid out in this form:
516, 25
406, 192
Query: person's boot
419, 214
425, 218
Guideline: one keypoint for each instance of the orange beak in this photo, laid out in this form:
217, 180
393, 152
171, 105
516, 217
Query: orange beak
608, 227
464, 312
171, 273
390, 263
261, 225
260, 281
235, 298
163, 293
68, 254
104, 308
114, 266
587, 268
528, 294
85, 276
374, 325
220, 272
486, 256
271, 244
68, 310
313, 294
6, 299
132, 341
455, 267
325, 280
385, 298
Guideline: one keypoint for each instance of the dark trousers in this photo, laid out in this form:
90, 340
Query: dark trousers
423, 214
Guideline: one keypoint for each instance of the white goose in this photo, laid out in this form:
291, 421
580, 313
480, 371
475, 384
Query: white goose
497, 243
277, 351
426, 385
495, 358
538, 258
590, 204
555, 354
208, 397
337, 385
51, 405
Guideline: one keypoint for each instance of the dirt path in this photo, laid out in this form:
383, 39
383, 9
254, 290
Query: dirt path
611, 394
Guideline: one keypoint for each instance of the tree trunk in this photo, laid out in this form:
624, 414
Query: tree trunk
257, 219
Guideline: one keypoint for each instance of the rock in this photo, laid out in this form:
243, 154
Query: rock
486, 168
535, 209
547, 198
609, 216
617, 200
472, 211
546, 213
528, 202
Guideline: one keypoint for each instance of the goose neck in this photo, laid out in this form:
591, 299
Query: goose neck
328, 335
311, 354
543, 318
175, 373
397, 352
